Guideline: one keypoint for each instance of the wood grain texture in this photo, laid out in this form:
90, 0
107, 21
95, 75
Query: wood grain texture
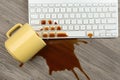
99, 58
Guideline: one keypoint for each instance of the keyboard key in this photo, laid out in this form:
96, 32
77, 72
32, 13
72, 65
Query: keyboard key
47, 15
34, 16
88, 27
79, 21
61, 21
69, 9
78, 15
64, 27
82, 27
90, 15
56, 9
75, 10
70, 27
73, 21
59, 15
101, 27
53, 15
42, 15
94, 27
67, 21
85, 21
66, 16
72, 15
62, 9
97, 21
81, 9
110, 26
50, 9
39, 10
77, 27
84, 15
91, 21
73, 33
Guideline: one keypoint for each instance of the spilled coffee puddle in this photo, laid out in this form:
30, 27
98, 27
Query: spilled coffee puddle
59, 55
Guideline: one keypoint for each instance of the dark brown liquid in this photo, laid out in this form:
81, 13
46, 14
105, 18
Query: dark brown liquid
59, 55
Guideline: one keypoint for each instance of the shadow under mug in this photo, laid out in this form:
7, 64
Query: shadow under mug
23, 42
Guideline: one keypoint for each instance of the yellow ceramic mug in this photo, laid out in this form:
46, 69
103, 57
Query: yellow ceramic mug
23, 42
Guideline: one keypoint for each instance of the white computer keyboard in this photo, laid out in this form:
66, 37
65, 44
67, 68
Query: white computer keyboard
83, 20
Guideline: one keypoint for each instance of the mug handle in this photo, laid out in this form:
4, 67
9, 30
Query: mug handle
17, 26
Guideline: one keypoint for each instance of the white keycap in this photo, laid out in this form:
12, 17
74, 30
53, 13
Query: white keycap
45, 10
57, 5
70, 27
97, 21
102, 15
73, 21
90, 15
77, 27
84, 15
39, 10
45, 5
32, 10
96, 33
67, 21
76, 4
82, 27
101, 27
114, 15
78, 15
73, 33
61, 21
95, 27
64, 27
81, 9
79, 21
69, 9
53, 15
85, 21
91, 21
34, 16
103, 21
112, 9
108, 15
59, 15
96, 15
56, 9
111, 20
93, 9
75, 9
47, 15
70, 5
72, 15
89, 27
50, 9
41, 15
87, 9
105, 9
99, 9
110, 26
62, 9
66, 16
35, 21
64, 5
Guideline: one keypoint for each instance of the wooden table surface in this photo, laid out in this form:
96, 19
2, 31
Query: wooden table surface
99, 58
